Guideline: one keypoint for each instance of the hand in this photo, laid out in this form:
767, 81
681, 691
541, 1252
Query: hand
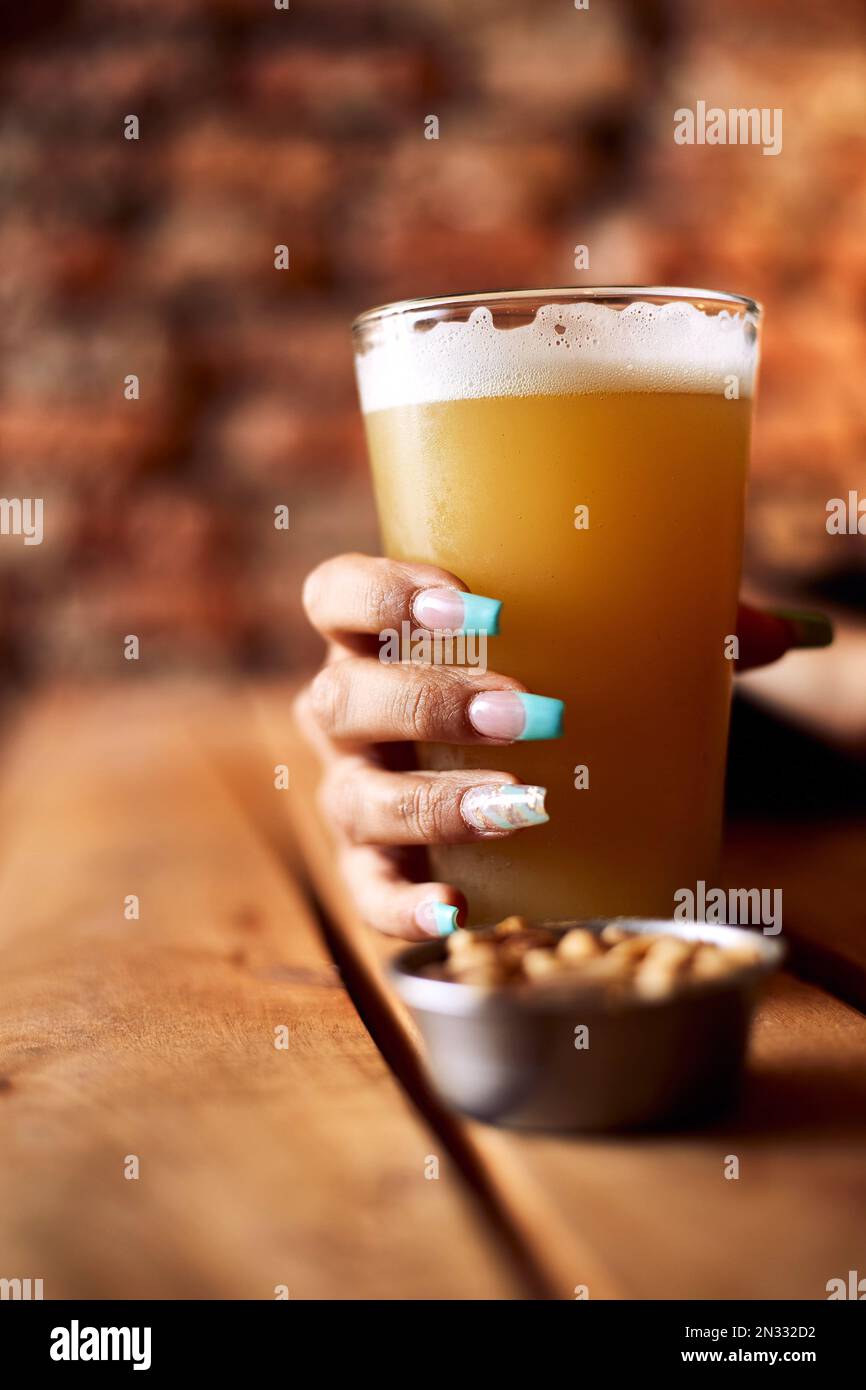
361, 713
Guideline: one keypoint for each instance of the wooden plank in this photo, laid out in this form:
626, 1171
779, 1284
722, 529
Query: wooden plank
673, 1226
259, 1167
654, 1216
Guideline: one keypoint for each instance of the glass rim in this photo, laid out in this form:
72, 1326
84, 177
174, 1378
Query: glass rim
563, 294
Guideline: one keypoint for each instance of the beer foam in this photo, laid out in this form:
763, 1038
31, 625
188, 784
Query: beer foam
567, 349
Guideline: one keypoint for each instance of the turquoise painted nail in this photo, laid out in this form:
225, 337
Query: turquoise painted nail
510, 715
544, 716
481, 614
445, 918
454, 611
435, 918
810, 629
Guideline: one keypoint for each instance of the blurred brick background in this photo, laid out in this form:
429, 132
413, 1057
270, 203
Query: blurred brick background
305, 127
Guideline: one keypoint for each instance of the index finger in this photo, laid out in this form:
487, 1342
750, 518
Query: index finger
362, 594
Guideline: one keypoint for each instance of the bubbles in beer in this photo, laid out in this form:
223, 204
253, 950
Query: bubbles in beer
642, 347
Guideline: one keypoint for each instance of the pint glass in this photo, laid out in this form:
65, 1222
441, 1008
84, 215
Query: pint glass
580, 455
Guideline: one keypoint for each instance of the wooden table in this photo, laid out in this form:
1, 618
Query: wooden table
196, 1101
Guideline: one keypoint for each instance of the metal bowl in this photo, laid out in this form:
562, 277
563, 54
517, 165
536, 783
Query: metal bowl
509, 1054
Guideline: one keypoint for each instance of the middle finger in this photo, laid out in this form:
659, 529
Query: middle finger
364, 700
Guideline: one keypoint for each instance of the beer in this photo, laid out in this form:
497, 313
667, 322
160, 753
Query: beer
588, 468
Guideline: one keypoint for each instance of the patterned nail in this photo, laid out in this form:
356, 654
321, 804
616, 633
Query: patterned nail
453, 611
503, 806
809, 629
435, 918
510, 714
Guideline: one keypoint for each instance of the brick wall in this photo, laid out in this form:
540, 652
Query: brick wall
305, 127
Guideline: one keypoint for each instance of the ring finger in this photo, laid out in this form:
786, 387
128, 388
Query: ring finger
374, 807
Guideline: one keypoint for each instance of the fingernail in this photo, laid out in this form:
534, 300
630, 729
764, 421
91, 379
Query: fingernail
452, 610
809, 629
435, 918
510, 714
503, 806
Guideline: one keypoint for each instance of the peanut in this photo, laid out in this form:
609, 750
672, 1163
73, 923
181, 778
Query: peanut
606, 967
465, 943
671, 951
739, 956
486, 973
579, 944
653, 966
710, 963
654, 980
510, 925
611, 935
538, 963
634, 947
